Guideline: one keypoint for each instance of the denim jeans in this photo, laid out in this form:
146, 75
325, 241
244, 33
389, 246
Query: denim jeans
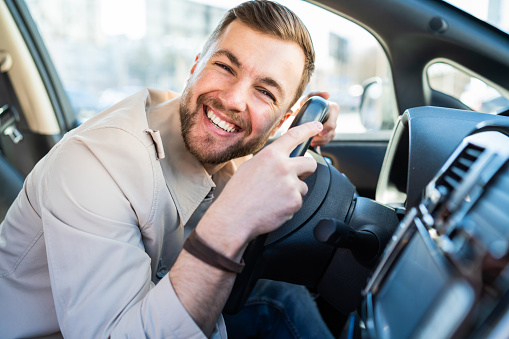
277, 310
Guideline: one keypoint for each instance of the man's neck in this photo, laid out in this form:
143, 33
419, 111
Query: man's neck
212, 169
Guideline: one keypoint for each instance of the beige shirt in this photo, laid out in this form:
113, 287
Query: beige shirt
98, 224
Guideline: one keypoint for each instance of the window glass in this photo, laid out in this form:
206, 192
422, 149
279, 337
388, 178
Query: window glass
105, 50
494, 12
470, 90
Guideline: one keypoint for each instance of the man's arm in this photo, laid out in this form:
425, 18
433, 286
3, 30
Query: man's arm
99, 270
263, 194
96, 199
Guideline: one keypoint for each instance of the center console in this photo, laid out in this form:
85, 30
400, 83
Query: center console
445, 273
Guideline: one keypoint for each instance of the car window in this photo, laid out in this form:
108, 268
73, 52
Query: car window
106, 50
470, 90
461, 83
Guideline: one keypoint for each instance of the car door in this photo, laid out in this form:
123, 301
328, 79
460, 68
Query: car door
35, 111
353, 66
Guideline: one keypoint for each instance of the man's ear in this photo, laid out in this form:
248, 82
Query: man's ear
195, 63
280, 123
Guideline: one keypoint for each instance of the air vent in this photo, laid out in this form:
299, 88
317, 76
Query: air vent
453, 176
490, 213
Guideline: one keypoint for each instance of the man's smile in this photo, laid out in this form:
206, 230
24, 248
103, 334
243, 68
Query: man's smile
220, 123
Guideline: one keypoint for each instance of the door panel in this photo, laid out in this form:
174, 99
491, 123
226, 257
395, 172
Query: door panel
360, 161
30, 86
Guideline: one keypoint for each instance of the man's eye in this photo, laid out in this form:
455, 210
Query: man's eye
268, 94
226, 68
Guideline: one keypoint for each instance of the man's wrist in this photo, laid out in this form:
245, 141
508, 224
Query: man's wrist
197, 247
222, 234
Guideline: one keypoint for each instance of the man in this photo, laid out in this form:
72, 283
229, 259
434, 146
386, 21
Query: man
87, 246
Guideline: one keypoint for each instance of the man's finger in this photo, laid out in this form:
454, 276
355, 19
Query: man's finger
329, 127
304, 166
333, 114
297, 135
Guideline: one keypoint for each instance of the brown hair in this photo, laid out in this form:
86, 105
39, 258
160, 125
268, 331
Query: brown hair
273, 19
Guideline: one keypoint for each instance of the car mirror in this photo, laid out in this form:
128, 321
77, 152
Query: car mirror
370, 108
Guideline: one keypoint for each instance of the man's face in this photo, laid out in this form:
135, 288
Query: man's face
239, 93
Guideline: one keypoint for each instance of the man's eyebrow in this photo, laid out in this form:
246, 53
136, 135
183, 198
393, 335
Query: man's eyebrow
271, 82
233, 59
264, 80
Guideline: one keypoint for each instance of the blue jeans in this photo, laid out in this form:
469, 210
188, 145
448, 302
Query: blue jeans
277, 310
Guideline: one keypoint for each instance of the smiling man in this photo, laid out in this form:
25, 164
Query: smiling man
95, 245
239, 93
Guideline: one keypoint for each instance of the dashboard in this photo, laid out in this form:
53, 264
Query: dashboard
422, 141
445, 273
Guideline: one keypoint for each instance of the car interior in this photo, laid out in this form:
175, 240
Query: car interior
402, 234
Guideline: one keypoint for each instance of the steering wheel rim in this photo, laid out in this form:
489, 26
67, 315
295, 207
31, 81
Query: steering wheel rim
255, 263
314, 109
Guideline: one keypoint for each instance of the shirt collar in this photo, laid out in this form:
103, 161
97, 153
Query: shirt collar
186, 178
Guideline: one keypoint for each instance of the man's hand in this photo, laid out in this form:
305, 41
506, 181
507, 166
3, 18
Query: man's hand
265, 191
329, 127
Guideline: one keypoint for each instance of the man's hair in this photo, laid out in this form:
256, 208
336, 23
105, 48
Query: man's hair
276, 20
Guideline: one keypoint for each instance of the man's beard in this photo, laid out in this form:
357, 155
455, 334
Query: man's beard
204, 150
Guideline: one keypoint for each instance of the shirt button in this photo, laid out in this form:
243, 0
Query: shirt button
161, 272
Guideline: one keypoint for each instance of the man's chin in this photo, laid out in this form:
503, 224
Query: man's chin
206, 154
213, 152
216, 158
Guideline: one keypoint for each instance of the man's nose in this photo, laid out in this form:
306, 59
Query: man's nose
234, 97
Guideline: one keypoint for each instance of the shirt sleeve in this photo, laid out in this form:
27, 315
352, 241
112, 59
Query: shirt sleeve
95, 197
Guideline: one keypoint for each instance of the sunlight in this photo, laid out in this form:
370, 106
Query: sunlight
124, 17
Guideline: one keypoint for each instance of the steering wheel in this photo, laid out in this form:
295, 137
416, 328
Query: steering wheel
274, 255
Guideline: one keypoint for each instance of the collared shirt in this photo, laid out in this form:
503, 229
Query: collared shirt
86, 247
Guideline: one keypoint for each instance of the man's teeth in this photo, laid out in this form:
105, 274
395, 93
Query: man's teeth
220, 123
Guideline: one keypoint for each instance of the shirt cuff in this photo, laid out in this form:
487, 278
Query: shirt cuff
182, 325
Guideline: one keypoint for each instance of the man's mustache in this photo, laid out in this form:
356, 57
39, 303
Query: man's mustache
234, 116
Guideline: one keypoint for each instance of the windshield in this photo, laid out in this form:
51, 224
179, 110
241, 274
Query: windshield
494, 12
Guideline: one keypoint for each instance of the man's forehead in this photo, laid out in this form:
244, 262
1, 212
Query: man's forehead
279, 62
265, 79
